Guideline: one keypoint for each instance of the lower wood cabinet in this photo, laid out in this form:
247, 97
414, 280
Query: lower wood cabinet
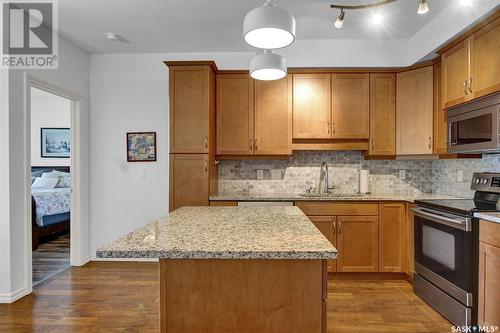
392, 237
489, 270
357, 243
327, 226
192, 179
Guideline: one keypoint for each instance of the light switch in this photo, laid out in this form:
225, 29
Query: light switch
402, 174
460, 176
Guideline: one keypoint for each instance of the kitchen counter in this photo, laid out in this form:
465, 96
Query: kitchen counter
225, 233
336, 197
491, 217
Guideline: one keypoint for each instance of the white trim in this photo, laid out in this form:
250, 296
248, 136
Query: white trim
125, 259
12, 297
78, 224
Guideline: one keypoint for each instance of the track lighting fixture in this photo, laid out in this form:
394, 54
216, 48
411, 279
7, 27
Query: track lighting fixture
339, 23
423, 7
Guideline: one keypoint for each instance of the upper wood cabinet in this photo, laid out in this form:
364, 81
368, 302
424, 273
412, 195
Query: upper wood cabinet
192, 107
414, 112
382, 115
440, 115
311, 106
192, 179
357, 243
350, 106
273, 117
471, 68
234, 114
392, 237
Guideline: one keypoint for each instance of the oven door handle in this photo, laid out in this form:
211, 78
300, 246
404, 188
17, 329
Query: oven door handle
462, 223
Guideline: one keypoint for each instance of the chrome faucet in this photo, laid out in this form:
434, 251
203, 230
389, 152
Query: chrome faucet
323, 179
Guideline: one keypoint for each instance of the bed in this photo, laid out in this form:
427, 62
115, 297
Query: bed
51, 207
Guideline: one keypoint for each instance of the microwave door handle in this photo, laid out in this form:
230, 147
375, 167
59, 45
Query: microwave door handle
462, 224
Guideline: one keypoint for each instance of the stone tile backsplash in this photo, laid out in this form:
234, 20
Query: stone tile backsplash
301, 171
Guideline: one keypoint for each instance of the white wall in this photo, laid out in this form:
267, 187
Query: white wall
47, 110
72, 75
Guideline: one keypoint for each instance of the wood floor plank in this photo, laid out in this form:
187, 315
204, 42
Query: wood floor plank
51, 258
124, 297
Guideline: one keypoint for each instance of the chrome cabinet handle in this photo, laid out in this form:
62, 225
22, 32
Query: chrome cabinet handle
470, 85
430, 142
465, 87
373, 144
255, 144
333, 129
334, 227
329, 127
340, 227
206, 166
206, 142
250, 144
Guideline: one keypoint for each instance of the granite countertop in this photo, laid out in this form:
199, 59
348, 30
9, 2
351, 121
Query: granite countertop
336, 197
225, 233
492, 217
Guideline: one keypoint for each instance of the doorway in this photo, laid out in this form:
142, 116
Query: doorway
55, 235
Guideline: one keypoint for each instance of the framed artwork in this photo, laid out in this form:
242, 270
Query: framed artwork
55, 142
141, 147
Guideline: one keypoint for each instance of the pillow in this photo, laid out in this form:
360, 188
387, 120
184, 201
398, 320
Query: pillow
37, 173
64, 181
32, 180
44, 183
54, 174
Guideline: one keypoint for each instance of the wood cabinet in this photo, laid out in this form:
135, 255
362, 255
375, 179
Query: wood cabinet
471, 68
489, 269
273, 117
357, 243
392, 237
382, 115
440, 115
414, 112
234, 114
253, 117
192, 109
192, 179
350, 106
311, 106
327, 226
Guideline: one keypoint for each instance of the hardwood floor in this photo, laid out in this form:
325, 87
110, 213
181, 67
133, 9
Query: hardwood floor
51, 258
124, 297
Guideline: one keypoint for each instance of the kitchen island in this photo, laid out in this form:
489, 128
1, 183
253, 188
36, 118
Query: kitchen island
235, 269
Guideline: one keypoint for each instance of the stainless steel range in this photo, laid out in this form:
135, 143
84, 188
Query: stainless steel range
447, 249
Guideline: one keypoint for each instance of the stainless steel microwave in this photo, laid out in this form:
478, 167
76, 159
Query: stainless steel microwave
475, 127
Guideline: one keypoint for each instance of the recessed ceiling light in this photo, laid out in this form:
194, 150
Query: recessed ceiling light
423, 7
269, 27
339, 23
115, 37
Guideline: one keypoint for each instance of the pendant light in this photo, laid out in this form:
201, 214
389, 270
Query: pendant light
269, 27
423, 7
268, 66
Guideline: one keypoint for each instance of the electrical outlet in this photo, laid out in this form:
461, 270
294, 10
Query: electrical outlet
260, 174
402, 174
460, 176
276, 174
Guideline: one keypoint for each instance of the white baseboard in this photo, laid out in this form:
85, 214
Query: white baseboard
81, 262
125, 259
12, 297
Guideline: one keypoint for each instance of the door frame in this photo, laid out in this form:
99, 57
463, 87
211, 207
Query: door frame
78, 224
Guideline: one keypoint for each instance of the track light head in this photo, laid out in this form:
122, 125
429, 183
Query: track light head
339, 23
423, 7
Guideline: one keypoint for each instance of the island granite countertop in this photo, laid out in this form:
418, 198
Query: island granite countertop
332, 197
225, 233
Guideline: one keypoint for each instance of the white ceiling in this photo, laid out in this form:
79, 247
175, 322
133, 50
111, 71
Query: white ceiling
169, 26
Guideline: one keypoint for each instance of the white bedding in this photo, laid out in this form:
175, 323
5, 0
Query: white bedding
50, 202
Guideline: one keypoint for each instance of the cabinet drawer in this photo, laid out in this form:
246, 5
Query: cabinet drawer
338, 208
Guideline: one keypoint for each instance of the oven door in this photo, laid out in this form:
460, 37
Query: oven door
474, 131
444, 251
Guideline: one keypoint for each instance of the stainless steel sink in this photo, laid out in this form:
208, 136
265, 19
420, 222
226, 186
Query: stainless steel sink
330, 195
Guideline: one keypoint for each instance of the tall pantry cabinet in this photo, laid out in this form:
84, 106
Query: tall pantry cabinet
193, 172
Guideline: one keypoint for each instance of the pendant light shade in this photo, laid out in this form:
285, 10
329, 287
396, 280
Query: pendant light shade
269, 27
268, 66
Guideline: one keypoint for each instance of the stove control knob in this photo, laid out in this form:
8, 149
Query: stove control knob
485, 181
477, 180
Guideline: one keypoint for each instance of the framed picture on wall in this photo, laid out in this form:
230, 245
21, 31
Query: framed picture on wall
55, 142
141, 147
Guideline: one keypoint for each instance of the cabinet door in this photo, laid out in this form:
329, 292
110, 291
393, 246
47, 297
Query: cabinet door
351, 106
456, 72
440, 115
327, 226
192, 108
357, 241
382, 114
489, 285
234, 114
414, 112
311, 106
392, 237
485, 60
189, 180
273, 117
